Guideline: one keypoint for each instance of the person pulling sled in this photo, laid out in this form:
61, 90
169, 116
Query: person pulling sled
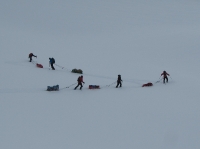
31, 55
80, 81
165, 74
51, 62
119, 81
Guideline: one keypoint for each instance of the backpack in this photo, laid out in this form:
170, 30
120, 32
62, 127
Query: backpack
79, 79
53, 60
31, 54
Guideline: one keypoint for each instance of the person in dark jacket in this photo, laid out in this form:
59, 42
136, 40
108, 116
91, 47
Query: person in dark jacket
165, 74
31, 55
51, 62
80, 81
119, 81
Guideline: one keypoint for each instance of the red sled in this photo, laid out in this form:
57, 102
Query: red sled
147, 85
39, 65
94, 87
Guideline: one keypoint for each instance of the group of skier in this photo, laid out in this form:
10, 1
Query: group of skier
119, 80
80, 81
80, 78
51, 60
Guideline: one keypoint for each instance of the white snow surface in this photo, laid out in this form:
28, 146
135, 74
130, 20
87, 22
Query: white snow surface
135, 38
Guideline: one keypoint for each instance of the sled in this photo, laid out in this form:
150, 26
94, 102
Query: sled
39, 65
53, 88
77, 71
147, 84
94, 87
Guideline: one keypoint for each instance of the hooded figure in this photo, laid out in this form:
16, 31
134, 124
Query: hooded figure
165, 74
51, 62
30, 56
80, 81
119, 81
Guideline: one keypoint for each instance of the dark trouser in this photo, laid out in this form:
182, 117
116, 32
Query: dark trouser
52, 66
30, 59
166, 79
119, 83
78, 85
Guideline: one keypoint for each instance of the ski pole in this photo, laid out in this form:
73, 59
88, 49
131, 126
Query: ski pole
70, 85
170, 77
67, 86
159, 80
62, 67
111, 84
59, 66
159, 77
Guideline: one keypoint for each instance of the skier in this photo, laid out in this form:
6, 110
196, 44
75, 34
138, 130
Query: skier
31, 55
51, 62
119, 81
165, 74
80, 81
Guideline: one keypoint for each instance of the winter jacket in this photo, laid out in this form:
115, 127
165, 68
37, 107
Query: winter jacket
119, 79
51, 60
164, 74
31, 55
80, 80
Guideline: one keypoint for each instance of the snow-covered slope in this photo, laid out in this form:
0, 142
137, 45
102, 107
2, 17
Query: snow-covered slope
137, 39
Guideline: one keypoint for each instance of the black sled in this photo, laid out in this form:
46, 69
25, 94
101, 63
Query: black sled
53, 88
